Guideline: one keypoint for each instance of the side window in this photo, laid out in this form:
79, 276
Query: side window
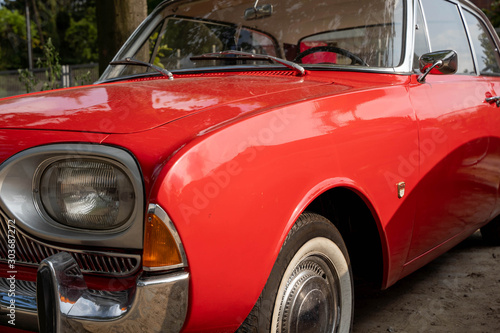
421, 43
486, 52
447, 32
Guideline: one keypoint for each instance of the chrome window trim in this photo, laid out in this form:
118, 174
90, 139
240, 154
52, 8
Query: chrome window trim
407, 44
17, 200
469, 39
481, 16
459, 4
418, 4
426, 25
492, 34
428, 40
141, 29
154, 209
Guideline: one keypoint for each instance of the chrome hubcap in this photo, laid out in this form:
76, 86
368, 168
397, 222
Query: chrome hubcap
311, 299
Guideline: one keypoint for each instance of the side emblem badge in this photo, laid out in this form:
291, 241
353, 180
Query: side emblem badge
401, 189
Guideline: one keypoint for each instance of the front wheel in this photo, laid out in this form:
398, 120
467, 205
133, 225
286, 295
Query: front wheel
310, 287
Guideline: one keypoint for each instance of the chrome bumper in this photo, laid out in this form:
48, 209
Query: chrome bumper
65, 304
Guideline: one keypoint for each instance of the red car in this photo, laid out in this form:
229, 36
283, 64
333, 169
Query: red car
240, 162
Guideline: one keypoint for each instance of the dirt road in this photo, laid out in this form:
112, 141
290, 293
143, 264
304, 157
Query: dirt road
457, 293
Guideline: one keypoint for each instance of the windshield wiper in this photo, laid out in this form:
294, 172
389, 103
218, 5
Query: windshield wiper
247, 55
130, 61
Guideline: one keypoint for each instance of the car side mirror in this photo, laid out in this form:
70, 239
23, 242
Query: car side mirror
440, 63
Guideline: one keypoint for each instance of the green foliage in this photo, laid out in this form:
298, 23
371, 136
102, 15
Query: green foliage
13, 41
83, 79
493, 13
70, 24
152, 4
53, 70
81, 37
12, 22
51, 63
162, 52
27, 78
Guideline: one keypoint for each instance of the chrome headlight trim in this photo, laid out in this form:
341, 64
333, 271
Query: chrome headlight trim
157, 210
18, 198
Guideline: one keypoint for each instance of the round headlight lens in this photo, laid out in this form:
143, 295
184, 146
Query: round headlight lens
87, 194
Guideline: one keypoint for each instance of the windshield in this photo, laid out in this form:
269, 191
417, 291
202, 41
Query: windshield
316, 34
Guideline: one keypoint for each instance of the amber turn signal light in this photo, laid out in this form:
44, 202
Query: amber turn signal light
160, 247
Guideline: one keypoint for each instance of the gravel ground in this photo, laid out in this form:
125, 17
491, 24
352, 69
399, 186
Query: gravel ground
458, 292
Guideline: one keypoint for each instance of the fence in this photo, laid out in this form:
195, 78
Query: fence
72, 75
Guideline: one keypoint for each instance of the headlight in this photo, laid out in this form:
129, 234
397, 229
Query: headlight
75, 193
85, 193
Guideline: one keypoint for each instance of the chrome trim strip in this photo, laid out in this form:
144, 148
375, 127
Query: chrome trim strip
154, 209
422, 9
469, 40
407, 44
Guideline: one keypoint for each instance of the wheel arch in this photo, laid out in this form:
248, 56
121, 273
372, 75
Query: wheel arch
352, 213
349, 210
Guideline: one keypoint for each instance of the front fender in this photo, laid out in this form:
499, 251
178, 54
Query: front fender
234, 193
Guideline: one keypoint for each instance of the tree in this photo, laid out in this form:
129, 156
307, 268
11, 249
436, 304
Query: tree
13, 41
493, 13
70, 24
152, 4
116, 20
81, 37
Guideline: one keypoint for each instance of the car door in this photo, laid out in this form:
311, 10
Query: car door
486, 53
453, 193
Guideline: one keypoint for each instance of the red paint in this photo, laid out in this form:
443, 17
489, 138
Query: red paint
235, 159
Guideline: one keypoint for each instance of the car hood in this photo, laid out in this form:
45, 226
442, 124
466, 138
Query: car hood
131, 107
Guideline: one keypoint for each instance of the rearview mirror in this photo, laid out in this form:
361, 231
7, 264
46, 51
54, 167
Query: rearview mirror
258, 12
439, 63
